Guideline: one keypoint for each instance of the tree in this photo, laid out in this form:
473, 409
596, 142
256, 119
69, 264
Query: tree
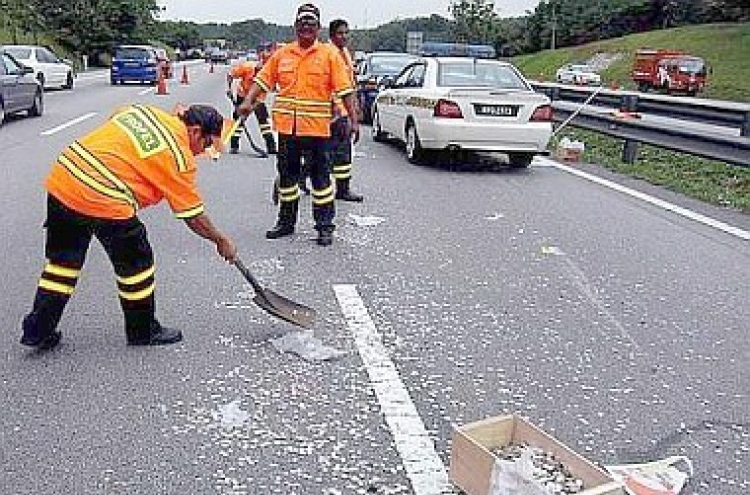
476, 21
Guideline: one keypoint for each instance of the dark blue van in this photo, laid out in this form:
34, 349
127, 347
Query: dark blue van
137, 63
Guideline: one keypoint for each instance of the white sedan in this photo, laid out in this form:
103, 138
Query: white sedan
578, 74
49, 70
453, 103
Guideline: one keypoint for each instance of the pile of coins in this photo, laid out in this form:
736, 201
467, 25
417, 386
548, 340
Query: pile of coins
548, 471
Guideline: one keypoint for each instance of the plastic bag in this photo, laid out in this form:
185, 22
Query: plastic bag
305, 345
515, 477
661, 477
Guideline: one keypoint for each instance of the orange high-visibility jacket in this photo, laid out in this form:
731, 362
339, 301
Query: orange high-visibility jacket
140, 156
245, 72
306, 79
340, 109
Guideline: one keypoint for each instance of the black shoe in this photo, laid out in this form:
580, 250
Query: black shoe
234, 151
48, 342
279, 231
160, 336
325, 238
349, 196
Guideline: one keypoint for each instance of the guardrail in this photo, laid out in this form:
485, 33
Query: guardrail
615, 113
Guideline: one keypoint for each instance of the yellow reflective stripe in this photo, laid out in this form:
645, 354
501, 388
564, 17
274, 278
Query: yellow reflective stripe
344, 92
282, 110
316, 115
166, 135
323, 201
61, 270
141, 294
288, 190
234, 130
288, 198
263, 85
93, 183
192, 212
302, 101
137, 278
323, 192
100, 167
56, 287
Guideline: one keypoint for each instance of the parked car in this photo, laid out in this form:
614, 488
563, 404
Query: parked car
578, 74
452, 103
217, 56
20, 90
50, 70
372, 71
138, 63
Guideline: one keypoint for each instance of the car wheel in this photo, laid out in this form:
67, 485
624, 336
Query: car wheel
376, 131
37, 106
520, 160
69, 81
414, 152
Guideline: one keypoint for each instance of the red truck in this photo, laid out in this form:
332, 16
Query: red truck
672, 71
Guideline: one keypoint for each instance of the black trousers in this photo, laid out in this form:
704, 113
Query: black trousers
291, 150
340, 152
68, 237
261, 113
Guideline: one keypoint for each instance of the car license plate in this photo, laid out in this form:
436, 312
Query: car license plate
496, 110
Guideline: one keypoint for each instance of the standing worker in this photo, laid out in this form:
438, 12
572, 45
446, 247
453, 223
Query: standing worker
306, 72
245, 72
140, 156
340, 145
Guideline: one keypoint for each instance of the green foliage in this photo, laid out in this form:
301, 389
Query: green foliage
723, 46
710, 181
476, 21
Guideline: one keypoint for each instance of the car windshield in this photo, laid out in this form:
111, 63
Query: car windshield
483, 74
18, 52
388, 65
689, 66
131, 53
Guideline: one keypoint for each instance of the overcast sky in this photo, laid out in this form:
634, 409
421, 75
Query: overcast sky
359, 13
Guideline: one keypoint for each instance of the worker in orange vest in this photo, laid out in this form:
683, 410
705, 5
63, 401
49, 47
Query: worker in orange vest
306, 73
137, 158
245, 72
340, 145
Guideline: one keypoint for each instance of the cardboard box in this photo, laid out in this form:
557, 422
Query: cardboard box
472, 461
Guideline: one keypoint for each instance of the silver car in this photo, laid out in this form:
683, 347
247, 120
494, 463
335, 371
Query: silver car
454, 103
19, 90
578, 74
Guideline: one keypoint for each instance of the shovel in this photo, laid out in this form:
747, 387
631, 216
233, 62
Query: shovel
276, 304
241, 122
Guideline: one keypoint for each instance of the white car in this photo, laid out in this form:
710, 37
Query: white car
578, 74
49, 70
454, 103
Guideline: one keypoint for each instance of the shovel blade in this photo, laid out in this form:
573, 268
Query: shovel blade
286, 309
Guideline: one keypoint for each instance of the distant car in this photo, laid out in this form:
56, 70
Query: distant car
372, 71
50, 70
164, 62
20, 91
135, 63
452, 103
218, 56
578, 74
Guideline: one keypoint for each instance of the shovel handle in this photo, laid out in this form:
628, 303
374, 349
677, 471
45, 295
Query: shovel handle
248, 276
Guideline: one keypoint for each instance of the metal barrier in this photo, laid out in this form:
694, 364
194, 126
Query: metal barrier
615, 113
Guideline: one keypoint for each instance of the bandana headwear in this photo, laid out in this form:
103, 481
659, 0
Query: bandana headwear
307, 12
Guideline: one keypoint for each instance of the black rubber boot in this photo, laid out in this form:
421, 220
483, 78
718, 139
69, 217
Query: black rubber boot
39, 326
287, 219
343, 192
156, 335
325, 237
234, 145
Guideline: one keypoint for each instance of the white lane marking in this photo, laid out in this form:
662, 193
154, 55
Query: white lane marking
68, 124
729, 229
145, 91
424, 468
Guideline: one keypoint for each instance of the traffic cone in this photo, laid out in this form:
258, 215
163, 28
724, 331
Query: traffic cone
161, 85
184, 79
